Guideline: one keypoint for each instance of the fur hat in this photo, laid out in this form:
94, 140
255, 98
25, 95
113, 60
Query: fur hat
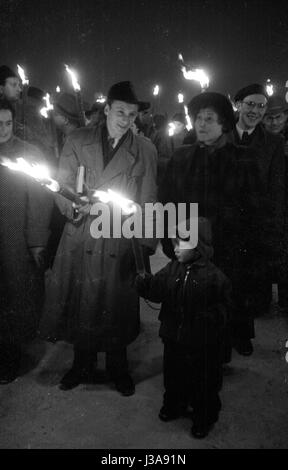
124, 91
254, 89
66, 105
276, 104
6, 72
217, 101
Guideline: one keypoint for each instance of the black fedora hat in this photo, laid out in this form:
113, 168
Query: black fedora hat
124, 91
66, 105
220, 103
276, 104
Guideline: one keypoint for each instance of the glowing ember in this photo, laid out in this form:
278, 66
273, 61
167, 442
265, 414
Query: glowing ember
171, 129
189, 125
269, 88
49, 106
73, 76
127, 205
22, 75
180, 98
198, 75
156, 90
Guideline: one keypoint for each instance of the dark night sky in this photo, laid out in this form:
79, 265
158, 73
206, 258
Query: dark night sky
238, 42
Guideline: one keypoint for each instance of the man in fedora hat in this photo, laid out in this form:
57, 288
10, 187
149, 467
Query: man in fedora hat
66, 115
91, 299
276, 115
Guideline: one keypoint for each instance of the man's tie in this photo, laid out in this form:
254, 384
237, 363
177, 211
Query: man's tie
245, 138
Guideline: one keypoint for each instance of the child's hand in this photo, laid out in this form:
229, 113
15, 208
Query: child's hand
141, 283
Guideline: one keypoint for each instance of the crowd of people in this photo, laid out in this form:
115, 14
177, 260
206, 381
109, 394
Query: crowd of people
60, 282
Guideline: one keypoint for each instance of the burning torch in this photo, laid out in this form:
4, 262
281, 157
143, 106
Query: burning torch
269, 87
78, 94
46, 113
199, 75
25, 85
41, 174
156, 92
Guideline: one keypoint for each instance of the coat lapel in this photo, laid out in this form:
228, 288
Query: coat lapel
122, 161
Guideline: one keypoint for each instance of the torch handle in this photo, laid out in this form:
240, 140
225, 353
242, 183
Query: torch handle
81, 108
71, 196
138, 255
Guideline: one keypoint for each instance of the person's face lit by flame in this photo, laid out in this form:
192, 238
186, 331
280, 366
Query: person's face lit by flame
120, 117
12, 89
6, 125
207, 126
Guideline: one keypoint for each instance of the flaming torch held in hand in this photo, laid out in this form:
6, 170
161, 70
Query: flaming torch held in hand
78, 94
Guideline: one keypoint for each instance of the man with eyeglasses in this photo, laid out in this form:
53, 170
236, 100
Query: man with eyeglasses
251, 103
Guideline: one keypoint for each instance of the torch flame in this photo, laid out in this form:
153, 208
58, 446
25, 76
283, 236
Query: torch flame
180, 57
156, 90
233, 104
73, 76
49, 106
36, 171
171, 129
198, 75
22, 75
180, 98
189, 125
101, 99
269, 88
58, 89
127, 205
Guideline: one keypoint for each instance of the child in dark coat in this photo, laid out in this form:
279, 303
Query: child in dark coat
195, 297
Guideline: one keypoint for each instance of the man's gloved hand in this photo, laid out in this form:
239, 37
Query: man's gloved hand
38, 255
81, 210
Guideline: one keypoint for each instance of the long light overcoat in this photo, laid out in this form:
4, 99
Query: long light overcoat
90, 292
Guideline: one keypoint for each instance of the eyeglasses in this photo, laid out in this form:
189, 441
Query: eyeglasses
252, 104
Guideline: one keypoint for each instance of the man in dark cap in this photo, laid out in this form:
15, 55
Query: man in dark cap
252, 102
10, 87
90, 296
224, 180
